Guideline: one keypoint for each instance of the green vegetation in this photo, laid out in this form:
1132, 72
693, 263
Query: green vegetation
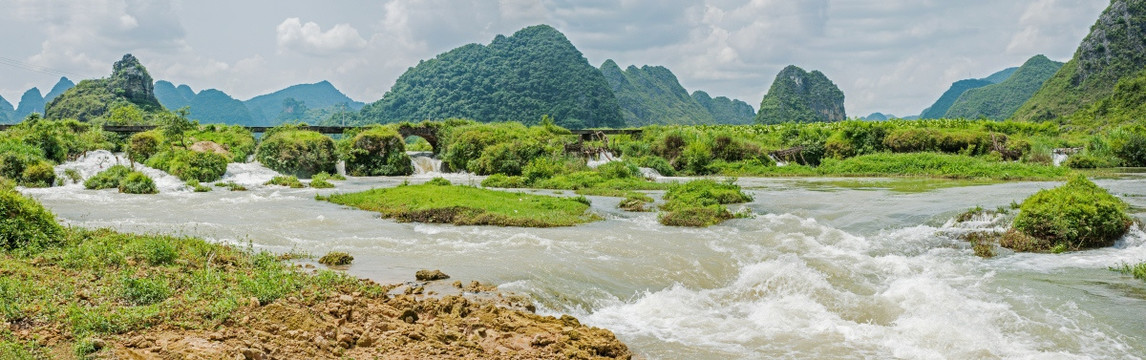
238, 141
107, 179
336, 258
29, 150
1138, 271
1077, 215
322, 180
635, 201
801, 97
293, 150
999, 101
700, 203
26, 225
1111, 52
375, 151
188, 164
197, 187
304, 102
137, 183
231, 185
129, 84
465, 205
289, 181
535, 72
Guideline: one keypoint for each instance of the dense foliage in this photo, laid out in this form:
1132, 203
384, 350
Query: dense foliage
25, 224
109, 178
533, 73
296, 151
801, 97
375, 151
999, 101
137, 183
29, 150
190, 165
1077, 215
1112, 51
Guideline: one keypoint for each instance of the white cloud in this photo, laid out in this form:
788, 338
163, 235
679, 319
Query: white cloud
309, 38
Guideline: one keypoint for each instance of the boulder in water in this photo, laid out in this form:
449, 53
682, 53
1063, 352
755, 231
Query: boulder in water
430, 275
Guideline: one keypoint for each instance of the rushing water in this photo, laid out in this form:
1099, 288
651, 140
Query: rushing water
822, 272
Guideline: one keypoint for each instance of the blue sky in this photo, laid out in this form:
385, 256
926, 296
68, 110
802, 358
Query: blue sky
893, 56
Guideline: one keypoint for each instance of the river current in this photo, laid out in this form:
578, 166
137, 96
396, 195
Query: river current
827, 268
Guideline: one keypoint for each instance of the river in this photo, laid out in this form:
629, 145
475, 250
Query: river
827, 268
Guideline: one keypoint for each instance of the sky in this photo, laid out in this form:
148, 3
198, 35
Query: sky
890, 56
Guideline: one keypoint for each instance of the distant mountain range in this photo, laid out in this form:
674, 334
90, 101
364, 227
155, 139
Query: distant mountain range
939, 108
302, 102
652, 95
999, 101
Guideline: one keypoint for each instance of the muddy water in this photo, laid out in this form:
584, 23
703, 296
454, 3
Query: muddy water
824, 270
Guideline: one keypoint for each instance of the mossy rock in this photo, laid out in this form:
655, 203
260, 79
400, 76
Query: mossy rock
336, 258
1077, 215
25, 224
378, 151
297, 152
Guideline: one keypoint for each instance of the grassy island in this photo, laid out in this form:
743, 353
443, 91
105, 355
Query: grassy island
440, 202
74, 293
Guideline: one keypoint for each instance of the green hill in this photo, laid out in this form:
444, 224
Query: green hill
214, 106
61, 86
7, 112
534, 72
30, 102
267, 109
939, 108
1114, 49
725, 110
999, 101
128, 83
1001, 76
652, 95
802, 97
173, 97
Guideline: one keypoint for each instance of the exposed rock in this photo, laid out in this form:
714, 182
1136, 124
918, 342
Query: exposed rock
430, 275
210, 147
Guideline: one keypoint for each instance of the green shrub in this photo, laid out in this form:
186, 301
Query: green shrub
187, 164
326, 176
618, 170
297, 152
290, 181
700, 203
73, 175
25, 223
503, 181
320, 184
40, 174
137, 183
377, 151
541, 168
107, 179
143, 145
694, 159
238, 141
1079, 215
336, 258
439, 181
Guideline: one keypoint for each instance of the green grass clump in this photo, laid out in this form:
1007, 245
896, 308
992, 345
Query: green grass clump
296, 151
290, 181
321, 184
137, 183
1077, 215
465, 205
73, 175
635, 201
336, 258
144, 291
198, 187
322, 180
231, 185
1138, 271
376, 151
187, 164
700, 203
439, 181
25, 224
107, 179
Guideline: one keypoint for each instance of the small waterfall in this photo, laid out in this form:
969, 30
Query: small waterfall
650, 173
778, 161
601, 159
340, 167
97, 161
424, 162
1060, 155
